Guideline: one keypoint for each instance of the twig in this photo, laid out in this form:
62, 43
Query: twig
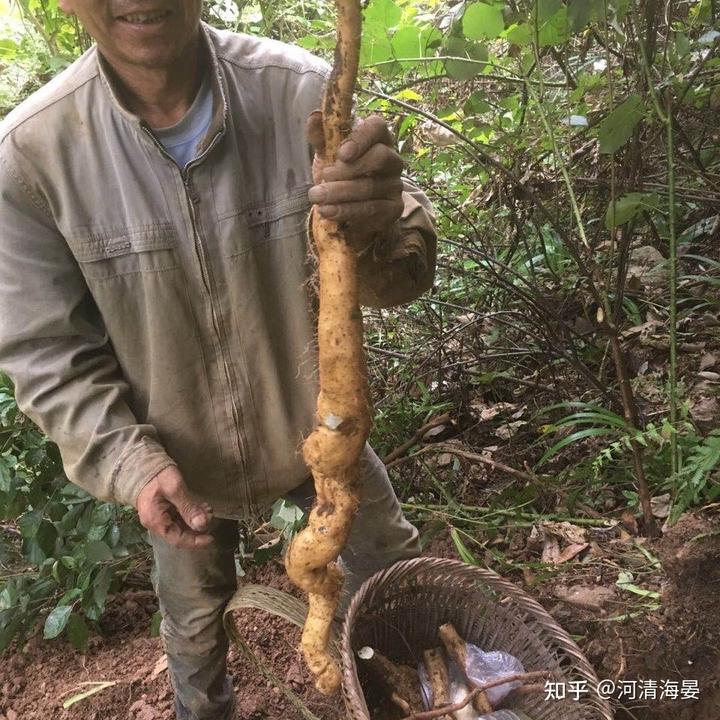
438, 712
416, 438
475, 457
467, 513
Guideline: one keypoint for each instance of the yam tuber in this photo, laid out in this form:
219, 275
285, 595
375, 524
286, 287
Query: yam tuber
401, 682
343, 416
457, 650
438, 676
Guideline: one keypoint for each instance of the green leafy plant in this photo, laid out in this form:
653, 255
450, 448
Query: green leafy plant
593, 421
62, 551
694, 484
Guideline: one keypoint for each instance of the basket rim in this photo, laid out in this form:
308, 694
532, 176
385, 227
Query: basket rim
404, 568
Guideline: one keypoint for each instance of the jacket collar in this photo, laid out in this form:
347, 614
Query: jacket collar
220, 105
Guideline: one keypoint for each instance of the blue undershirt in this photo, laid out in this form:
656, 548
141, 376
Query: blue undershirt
183, 139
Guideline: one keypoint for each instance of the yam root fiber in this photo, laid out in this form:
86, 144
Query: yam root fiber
343, 416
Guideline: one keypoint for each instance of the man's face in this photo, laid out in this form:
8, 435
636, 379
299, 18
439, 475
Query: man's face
144, 33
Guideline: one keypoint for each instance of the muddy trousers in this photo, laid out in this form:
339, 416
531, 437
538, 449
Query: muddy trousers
193, 587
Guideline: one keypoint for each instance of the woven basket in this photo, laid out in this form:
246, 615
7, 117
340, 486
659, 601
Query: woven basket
398, 612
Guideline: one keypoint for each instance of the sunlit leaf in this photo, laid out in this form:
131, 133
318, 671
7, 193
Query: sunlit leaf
520, 34
556, 30
56, 621
481, 21
8, 49
384, 13
459, 70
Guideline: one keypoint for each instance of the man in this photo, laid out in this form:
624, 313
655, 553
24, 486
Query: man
157, 298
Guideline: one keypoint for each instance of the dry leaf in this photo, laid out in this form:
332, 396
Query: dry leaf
528, 576
552, 554
160, 667
488, 413
707, 361
648, 266
434, 431
628, 521
592, 597
571, 551
566, 531
706, 410
438, 135
661, 505
624, 536
507, 431
551, 551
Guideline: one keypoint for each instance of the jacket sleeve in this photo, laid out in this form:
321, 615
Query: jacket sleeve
54, 347
399, 266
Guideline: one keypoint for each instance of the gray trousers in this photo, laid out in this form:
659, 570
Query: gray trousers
193, 587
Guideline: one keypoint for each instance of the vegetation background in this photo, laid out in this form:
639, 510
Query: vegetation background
566, 366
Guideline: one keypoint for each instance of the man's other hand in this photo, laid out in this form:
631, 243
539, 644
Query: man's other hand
167, 510
362, 188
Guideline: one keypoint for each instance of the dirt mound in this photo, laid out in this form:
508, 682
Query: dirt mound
37, 679
680, 642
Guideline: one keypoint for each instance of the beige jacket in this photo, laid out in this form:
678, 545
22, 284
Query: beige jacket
151, 316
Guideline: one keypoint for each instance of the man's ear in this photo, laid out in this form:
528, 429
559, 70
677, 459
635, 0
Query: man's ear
67, 6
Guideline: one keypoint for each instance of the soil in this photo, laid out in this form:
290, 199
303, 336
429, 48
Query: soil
679, 641
35, 681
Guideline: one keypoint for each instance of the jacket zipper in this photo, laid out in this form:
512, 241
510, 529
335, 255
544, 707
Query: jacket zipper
191, 199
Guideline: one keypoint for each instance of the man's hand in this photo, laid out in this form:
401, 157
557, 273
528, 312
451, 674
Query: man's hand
166, 509
362, 188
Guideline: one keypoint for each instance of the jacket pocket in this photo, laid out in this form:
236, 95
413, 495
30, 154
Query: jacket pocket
255, 225
104, 255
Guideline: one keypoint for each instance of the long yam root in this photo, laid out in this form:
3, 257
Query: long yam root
332, 451
439, 678
456, 649
402, 683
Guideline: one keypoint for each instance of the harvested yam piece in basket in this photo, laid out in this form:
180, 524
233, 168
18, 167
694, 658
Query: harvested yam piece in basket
397, 613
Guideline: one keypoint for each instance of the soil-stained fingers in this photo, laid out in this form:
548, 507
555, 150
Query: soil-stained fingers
359, 190
378, 161
166, 508
366, 217
370, 131
314, 131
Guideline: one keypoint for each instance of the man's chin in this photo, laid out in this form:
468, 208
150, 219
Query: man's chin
147, 58
151, 50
